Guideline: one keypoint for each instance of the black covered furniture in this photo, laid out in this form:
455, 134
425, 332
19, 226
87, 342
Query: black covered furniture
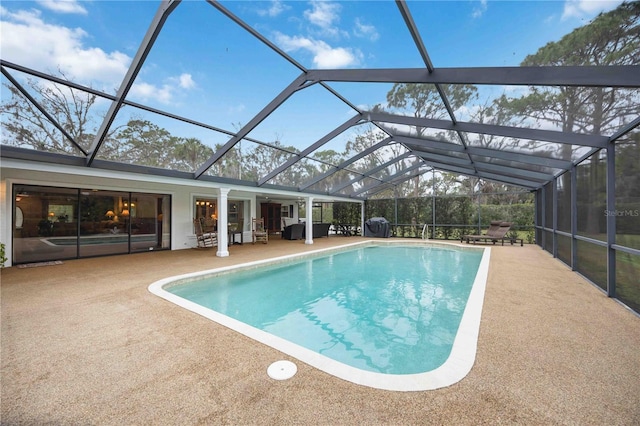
293, 232
377, 227
319, 230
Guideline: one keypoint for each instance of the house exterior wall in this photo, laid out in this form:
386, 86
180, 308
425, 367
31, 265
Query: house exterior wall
182, 192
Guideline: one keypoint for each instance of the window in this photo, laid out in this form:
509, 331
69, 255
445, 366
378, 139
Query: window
207, 208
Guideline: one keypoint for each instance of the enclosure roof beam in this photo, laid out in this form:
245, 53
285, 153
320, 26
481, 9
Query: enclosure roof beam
510, 180
40, 108
625, 129
554, 163
396, 182
165, 9
408, 19
147, 108
295, 158
485, 175
478, 164
447, 159
429, 143
248, 28
426, 143
515, 172
344, 164
369, 173
254, 33
491, 129
402, 172
299, 83
570, 76
415, 34
389, 179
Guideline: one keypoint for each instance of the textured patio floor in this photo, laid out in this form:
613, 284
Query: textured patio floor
84, 342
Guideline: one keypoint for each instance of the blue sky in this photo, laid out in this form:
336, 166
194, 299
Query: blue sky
205, 67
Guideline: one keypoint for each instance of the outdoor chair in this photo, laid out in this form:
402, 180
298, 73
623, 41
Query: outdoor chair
496, 232
259, 232
293, 231
205, 239
493, 227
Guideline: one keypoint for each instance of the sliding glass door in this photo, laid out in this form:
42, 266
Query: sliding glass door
104, 223
45, 223
62, 223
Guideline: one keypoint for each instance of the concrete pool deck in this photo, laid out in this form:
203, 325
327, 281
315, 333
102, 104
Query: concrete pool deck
85, 342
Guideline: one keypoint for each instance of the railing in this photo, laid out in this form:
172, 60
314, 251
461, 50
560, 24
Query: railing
452, 232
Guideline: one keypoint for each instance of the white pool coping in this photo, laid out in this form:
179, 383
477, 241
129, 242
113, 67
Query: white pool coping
454, 369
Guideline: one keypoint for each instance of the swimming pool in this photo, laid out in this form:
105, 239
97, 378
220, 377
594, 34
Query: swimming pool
417, 332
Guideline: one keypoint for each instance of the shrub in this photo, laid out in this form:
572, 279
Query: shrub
2, 255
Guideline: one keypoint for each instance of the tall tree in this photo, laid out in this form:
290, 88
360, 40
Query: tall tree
612, 38
74, 110
190, 153
145, 143
425, 101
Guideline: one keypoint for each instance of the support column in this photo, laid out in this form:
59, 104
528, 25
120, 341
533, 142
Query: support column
362, 219
554, 191
223, 226
309, 222
574, 217
611, 219
395, 211
543, 219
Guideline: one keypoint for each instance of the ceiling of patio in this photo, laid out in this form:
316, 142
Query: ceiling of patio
293, 121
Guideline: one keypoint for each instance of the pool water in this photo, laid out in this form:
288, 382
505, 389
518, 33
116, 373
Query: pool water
384, 309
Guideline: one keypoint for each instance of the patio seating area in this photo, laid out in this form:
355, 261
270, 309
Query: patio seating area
81, 346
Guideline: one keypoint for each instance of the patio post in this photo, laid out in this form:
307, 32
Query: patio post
223, 236
309, 222
611, 219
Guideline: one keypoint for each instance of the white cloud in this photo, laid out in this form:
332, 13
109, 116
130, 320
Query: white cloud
587, 8
323, 14
334, 58
275, 9
27, 40
480, 9
324, 56
146, 92
293, 43
363, 30
186, 81
164, 93
63, 6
